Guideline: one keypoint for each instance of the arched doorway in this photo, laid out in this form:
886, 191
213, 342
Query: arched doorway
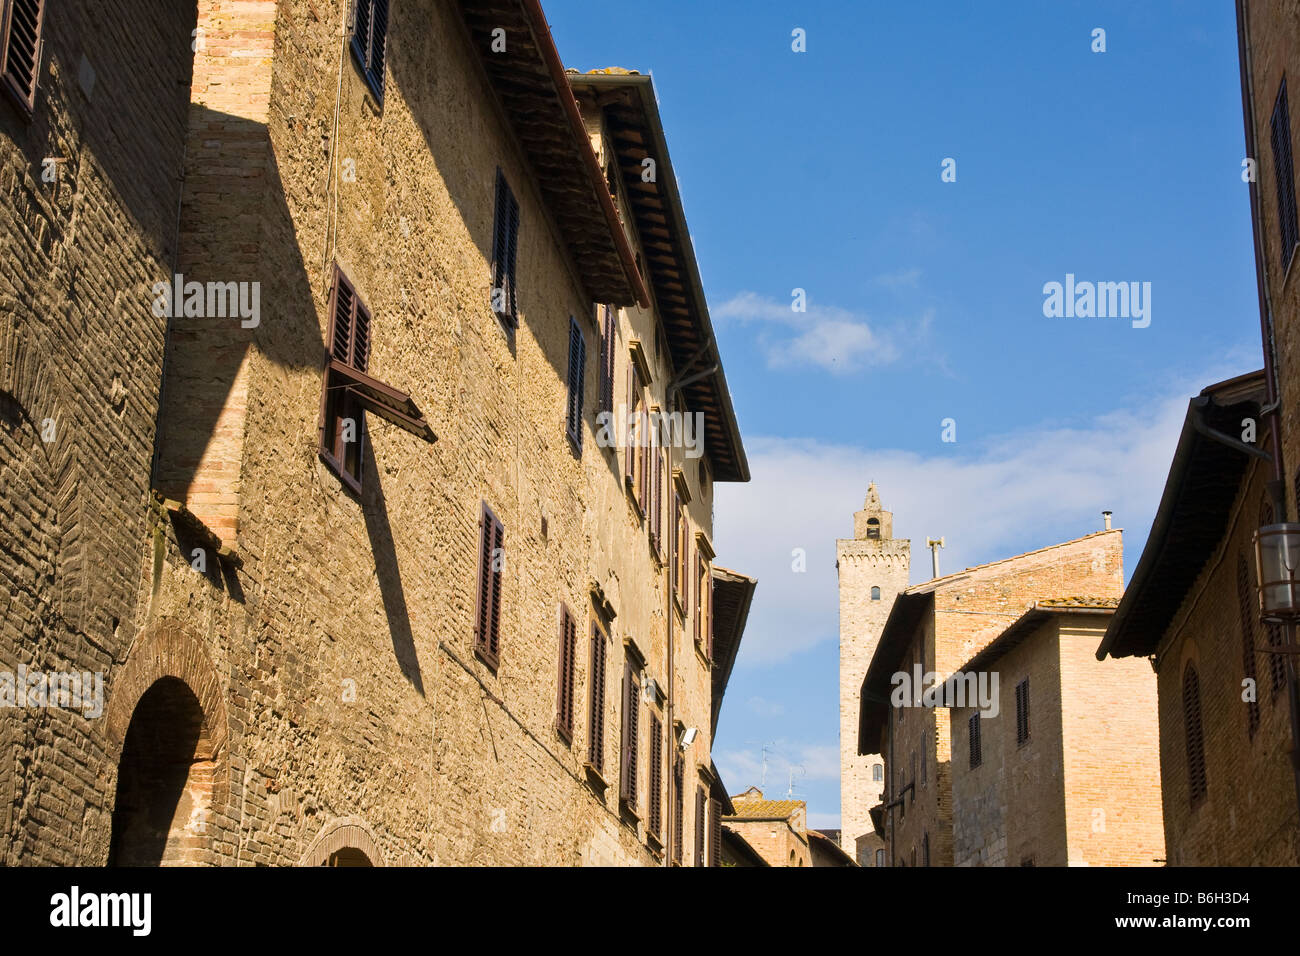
165, 781
347, 856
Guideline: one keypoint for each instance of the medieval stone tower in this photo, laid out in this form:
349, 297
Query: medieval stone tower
873, 568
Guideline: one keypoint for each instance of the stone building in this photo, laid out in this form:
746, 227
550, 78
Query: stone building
873, 568
776, 829
1190, 610
936, 627
388, 583
1068, 771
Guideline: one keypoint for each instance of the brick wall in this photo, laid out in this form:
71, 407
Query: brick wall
81, 360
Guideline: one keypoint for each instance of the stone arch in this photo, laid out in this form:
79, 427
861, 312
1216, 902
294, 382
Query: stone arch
344, 841
166, 720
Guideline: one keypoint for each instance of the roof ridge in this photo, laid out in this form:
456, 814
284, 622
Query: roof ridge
933, 582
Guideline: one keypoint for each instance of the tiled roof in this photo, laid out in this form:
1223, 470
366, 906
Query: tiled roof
1080, 602
765, 809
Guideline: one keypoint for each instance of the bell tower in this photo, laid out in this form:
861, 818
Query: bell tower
873, 568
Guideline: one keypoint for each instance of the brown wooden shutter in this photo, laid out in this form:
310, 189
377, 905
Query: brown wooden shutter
700, 804
656, 821
629, 453
1194, 733
564, 683
1246, 611
20, 49
627, 768
596, 712
707, 601
699, 594
607, 353
715, 832
679, 807
487, 628
1022, 712
577, 383
1284, 176
505, 246
976, 749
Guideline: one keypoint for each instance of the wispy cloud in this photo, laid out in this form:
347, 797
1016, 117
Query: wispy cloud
827, 337
1018, 491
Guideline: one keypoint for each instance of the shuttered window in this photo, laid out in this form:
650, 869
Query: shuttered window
701, 802
491, 565
596, 701
607, 352
1022, 712
715, 832
636, 456
657, 487
349, 392
679, 806
577, 381
631, 735
681, 546
976, 752
703, 600
1284, 174
1246, 612
369, 40
564, 683
505, 246
656, 821
1194, 734
21, 22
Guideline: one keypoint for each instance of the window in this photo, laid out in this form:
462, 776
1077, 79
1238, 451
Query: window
491, 563
679, 806
656, 500
875, 594
656, 822
1022, 712
369, 39
608, 336
631, 734
348, 391
701, 808
925, 749
878, 772
1027, 861
976, 754
873, 527
703, 469
703, 596
1196, 784
564, 691
1246, 611
577, 376
505, 245
715, 832
681, 547
1284, 173
880, 858
596, 701
636, 455
925, 849
21, 22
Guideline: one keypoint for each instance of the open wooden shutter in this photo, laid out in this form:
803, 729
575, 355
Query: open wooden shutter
715, 832
679, 807
369, 41
564, 683
596, 711
505, 246
607, 353
656, 821
577, 382
700, 804
1194, 733
699, 594
631, 713
487, 631
629, 453
21, 23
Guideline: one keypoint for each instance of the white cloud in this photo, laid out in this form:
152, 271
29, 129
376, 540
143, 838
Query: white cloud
1012, 493
827, 337
810, 762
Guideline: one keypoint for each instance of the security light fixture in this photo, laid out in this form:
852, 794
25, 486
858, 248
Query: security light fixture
687, 738
1277, 560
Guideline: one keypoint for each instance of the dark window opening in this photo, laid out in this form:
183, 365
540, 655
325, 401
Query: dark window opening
369, 41
505, 246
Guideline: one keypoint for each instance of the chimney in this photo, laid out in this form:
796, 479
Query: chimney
934, 544
1106, 517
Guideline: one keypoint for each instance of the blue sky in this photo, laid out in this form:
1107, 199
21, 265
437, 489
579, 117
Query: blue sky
821, 171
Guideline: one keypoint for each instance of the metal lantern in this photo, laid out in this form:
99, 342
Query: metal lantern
1277, 561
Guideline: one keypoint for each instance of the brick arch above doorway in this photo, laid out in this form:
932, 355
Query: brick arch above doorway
166, 648
343, 833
